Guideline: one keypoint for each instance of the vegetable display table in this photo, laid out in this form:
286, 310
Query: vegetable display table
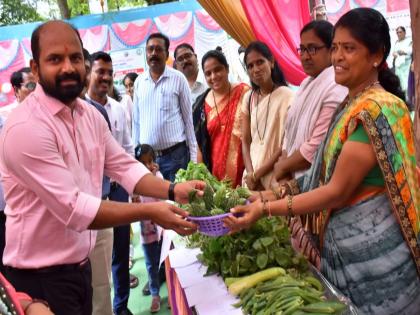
189, 292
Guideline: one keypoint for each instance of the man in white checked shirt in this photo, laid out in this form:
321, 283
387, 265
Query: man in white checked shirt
107, 246
162, 112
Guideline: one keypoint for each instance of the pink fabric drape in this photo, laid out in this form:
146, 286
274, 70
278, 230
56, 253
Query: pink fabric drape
278, 24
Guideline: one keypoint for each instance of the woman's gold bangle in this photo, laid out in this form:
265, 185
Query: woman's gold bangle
267, 208
289, 205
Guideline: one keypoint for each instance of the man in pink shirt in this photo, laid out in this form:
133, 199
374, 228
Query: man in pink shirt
54, 151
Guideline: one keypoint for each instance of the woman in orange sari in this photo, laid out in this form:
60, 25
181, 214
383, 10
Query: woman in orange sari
217, 115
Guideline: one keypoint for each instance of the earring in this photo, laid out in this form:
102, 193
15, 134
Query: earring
375, 64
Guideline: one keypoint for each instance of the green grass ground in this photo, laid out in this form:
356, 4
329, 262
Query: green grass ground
138, 303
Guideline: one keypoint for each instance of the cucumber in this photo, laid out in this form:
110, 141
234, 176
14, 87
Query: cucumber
230, 280
251, 281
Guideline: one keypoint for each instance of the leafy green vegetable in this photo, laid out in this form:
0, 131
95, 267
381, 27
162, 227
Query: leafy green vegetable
243, 192
262, 260
216, 211
264, 245
192, 195
208, 196
217, 194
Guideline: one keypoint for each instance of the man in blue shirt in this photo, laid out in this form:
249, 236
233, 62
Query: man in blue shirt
162, 112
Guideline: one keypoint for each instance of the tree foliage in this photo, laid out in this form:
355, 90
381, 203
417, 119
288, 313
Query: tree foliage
81, 7
17, 12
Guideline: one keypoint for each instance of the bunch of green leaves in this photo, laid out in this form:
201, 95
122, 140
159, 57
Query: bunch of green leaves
196, 240
219, 197
266, 244
195, 171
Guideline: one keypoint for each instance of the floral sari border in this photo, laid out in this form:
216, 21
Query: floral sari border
400, 208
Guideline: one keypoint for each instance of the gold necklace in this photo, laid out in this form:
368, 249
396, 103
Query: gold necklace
351, 99
222, 126
266, 115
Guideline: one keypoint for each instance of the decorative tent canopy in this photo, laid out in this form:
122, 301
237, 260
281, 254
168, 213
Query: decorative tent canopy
181, 22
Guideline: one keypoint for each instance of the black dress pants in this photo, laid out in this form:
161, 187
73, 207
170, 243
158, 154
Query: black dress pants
66, 288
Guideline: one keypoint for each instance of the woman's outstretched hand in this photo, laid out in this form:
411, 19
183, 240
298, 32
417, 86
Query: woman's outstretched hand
244, 216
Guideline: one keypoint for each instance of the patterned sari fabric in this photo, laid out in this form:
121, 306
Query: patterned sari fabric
388, 125
370, 249
365, 256
224, 129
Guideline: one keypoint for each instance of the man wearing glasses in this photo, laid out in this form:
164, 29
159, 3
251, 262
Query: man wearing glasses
101, 80
162, 111
23, 82
187, 63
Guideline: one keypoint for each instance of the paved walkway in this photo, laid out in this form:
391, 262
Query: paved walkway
138, 303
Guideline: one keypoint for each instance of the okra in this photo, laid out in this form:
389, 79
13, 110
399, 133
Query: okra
310, 298
260, 312
260, 305
323, 307
314, 291
294, 307
314, 282
274, 307
237, 304
244, 293
248, 296
283, 304
286, 306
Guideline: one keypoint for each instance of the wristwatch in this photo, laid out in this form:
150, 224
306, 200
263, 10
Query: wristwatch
171, 191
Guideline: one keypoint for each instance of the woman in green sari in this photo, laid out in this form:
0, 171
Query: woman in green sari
363, 179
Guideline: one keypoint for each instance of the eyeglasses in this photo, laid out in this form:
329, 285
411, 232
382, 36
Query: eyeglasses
29, 85
184, 57
157, 49
311, 50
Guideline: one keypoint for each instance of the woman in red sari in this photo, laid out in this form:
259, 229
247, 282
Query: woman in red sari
217, 115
